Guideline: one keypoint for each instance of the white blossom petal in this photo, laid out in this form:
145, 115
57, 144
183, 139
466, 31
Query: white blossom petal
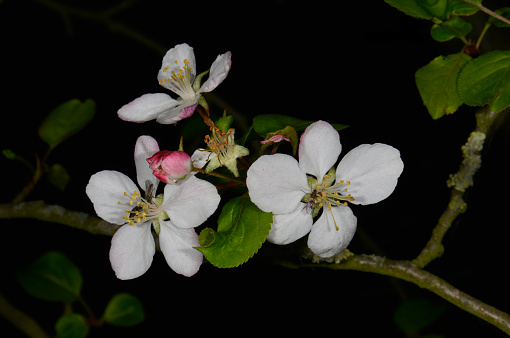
276, 183
178, 53
147, 107
177, 245
105, 189
218, 73
373, 171
183, 110
290, 227
190, 202
324, 240
319, 149
200, 157
145, 147
132, 250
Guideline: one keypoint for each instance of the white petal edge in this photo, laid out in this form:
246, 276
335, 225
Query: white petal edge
190, 202
319, 149
145, 147
373, 171
290, 227
132, 250
182, 110
147, 107
219, 71
105, 189
177, 245
324, 240
178, 53
276, 183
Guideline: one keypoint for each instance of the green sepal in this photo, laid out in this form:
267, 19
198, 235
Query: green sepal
224, 122
198, 81
203, 103
287, 132
242, 229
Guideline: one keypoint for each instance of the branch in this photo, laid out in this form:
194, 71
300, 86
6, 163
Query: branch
408, 271
459, 182
488, 11
21, 320
57, 214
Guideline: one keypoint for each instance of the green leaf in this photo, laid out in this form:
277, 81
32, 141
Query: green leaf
453, 28
72, 325
486, 80
65, 120
432, 9
270, 123
504, 12
242, 228
58, 176
124, 309
437, 84
52, 277
416, 314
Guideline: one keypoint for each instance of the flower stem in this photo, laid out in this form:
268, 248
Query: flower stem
488, 11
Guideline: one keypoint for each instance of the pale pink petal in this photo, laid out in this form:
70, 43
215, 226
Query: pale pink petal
105, 189
147, 107
219, 71
145, 147
177, 245
132, 250
190, 202
183, 110
372, 170
319, 148
276, 183
290, 227
324, 240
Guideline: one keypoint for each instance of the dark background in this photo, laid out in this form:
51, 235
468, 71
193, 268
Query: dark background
352, 65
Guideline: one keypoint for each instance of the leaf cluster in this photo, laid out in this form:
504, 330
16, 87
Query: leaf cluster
54, 277
466, 77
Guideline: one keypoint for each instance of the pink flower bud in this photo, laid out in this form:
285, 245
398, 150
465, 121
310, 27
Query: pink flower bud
170, 166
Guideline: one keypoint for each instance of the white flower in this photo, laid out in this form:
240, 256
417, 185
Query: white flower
177, 74
183, 206
295, 191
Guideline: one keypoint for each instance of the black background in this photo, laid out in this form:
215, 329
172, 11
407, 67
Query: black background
349, 63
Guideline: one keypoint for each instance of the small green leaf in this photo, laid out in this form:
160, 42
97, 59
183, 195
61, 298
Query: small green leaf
225, 122
453, 28
242, 228
124, 310
437, 84
52, 277
486, 80
416, 314
72, 325
504, 12
65, 120
270, 123
288, 133
58, 176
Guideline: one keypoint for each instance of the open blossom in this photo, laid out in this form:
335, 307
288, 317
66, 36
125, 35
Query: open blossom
170, 166
221, 151
177, 74
296, 191
183, 206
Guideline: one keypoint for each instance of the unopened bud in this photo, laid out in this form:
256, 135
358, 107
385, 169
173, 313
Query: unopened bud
170, 166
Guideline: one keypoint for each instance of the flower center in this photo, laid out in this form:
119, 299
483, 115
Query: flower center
180, 81
221, 143
139, 209
324, 195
